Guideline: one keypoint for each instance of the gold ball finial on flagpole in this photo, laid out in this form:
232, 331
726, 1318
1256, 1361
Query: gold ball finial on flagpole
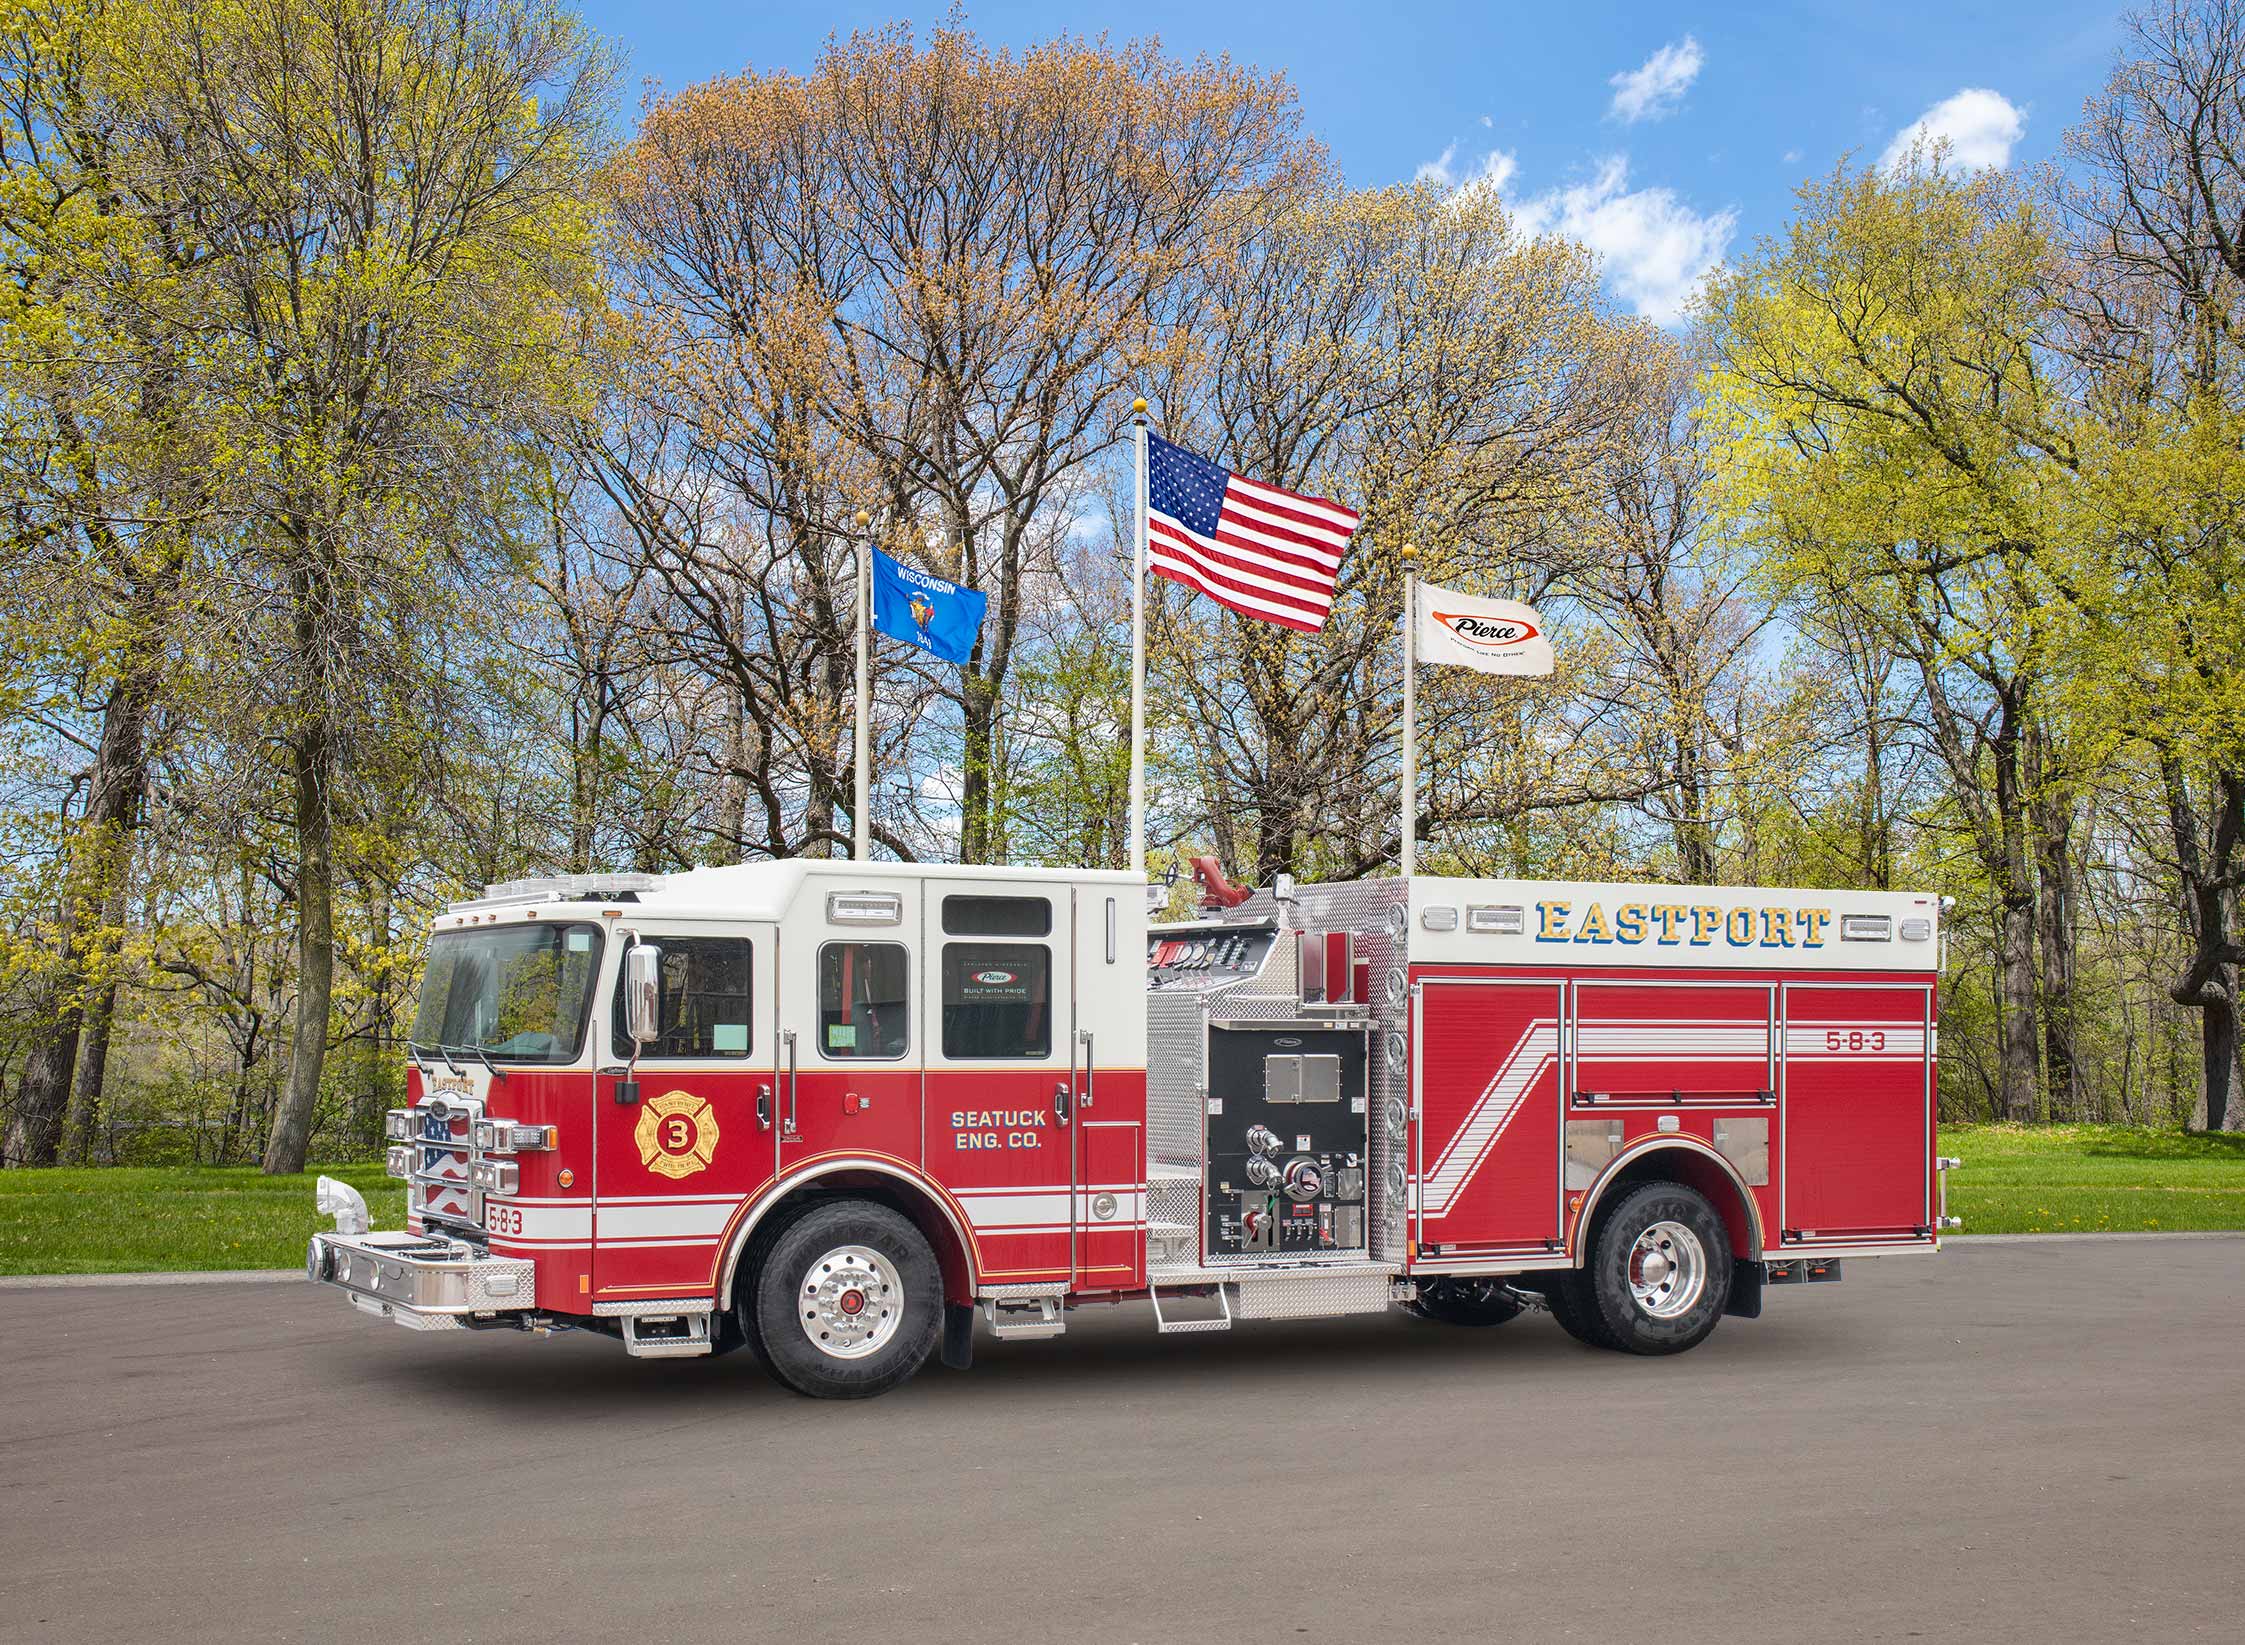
863, 519
1138, 408
1410, 552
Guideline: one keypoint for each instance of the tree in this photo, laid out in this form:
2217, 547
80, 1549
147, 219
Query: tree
1893, 437
918, 280
1408, 352
391, 197
2157, 210
109, 475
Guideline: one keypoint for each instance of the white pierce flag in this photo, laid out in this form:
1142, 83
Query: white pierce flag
1494, 636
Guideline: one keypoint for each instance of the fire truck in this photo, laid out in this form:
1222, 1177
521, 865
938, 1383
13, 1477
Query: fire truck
846, 1113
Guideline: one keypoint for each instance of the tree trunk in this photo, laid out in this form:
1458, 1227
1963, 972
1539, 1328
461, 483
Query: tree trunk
43, 1094
312, 757
315, 948
978, 747
2218, 1048
2053, 813
2204, 858
92, 881
84, 1130
2015, 934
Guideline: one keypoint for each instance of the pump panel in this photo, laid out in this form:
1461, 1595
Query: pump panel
1288, 1145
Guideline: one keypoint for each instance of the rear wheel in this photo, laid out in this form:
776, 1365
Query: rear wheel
1659, 1273
1466, 1302
847, 1301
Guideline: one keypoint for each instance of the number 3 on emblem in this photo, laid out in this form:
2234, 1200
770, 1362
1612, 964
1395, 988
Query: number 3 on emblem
676, 1134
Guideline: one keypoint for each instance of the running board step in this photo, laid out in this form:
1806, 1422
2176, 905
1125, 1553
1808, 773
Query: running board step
666, 1336
1166, 1326
1023, 1319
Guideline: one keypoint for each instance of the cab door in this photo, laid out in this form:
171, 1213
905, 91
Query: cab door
849, 1038
689, 1129
1003, 1077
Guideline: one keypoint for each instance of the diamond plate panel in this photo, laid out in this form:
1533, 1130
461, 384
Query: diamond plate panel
1314, 1296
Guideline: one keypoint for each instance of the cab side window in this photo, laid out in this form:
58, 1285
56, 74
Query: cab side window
864, 1000
997, 995
705, 1003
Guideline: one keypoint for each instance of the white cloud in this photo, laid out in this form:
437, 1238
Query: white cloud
1438, 170
1494, 171
1977, 125
1486, 121
1653, 91
1792, 157
1655, 247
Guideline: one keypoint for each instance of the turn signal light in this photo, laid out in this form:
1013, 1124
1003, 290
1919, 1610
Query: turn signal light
496, 1176
398, 1162
397, 1124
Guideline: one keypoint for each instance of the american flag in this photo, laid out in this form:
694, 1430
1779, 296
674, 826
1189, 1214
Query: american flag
1263, 552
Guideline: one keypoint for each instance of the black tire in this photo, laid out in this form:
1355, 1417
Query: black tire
741, 1316
1474, 1302
1568, 1298
821, 1298
1682, 1277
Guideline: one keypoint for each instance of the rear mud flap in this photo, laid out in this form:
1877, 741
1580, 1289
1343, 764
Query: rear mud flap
958, 1335
1746, 1289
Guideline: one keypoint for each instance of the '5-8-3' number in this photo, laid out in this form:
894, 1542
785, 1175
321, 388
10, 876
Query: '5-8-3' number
503, 1219
1855, 1039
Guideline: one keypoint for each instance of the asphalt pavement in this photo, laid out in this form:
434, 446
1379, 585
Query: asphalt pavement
2007, 1442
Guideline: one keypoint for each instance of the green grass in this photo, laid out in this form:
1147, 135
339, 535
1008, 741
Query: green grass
2016, 1180
135, 1219
2062, 1179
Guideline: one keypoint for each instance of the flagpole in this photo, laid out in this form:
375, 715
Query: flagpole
862, 813
1138, 649
1410, 784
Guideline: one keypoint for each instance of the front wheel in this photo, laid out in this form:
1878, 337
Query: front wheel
848, 1301
1659, 1273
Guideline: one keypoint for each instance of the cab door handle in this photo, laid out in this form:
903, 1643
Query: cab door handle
1060, 1101
764, 1107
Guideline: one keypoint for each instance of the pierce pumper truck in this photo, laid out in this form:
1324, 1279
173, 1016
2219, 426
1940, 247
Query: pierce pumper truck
847, 1114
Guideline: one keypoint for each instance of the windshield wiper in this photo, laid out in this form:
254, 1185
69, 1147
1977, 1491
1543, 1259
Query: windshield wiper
480, 1055
413, 1049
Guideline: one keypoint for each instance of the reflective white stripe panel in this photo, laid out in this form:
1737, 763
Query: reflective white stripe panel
1631, 1042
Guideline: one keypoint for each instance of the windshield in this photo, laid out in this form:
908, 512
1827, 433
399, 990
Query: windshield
517, 993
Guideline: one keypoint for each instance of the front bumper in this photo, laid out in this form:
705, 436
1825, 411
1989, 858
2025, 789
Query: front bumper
424, 1281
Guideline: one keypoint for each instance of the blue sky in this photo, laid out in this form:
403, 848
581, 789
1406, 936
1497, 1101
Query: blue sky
1664, 135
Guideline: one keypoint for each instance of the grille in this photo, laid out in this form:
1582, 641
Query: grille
441, 1191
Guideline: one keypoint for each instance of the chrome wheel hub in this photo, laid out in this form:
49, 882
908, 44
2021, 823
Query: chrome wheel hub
851, 1302
1667, 1270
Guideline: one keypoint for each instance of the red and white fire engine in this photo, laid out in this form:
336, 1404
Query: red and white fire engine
837, 1110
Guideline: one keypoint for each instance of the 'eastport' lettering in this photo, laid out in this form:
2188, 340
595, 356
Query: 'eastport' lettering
998, 1127
1683, 925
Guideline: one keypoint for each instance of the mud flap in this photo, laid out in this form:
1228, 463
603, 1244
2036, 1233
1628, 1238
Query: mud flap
958, 1335
1746, 1289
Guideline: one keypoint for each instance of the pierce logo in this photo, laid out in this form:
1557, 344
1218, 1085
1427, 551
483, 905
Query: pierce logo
994, 976
1487, 633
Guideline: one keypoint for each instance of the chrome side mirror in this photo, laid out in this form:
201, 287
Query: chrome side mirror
643, 993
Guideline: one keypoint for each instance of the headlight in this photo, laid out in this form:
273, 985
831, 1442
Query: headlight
398, 1162
496, 1176
397, 1124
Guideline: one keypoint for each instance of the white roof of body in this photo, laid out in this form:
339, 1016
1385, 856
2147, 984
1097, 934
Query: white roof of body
766, 890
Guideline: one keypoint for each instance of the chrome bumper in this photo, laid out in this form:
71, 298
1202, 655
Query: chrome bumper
424, 1281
